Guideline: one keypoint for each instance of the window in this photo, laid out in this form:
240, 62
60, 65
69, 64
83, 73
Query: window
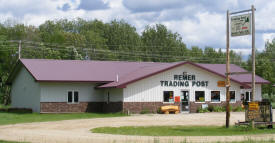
73, 97
168, 96
215, 96
199, 96
232, 96
248, 96
76, 97
70, 96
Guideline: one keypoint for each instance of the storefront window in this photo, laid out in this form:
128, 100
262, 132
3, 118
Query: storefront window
232, 96
199, 96
168, 96
215, 96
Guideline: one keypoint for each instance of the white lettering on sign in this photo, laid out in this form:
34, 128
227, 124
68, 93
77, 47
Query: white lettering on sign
241, 25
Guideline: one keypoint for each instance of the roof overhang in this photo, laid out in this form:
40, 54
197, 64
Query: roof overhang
124, 85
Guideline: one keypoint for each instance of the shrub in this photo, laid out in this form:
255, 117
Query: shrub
200, 110
210, 108
218, 109
159, 110
238, 109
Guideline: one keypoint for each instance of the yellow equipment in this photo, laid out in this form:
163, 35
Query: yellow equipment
170, 108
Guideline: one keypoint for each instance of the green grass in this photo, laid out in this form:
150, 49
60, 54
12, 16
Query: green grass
181, 131
3, 106
251, 141
1, 141
13, 118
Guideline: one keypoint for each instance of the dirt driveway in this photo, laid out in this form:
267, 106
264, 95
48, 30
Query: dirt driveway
77, 131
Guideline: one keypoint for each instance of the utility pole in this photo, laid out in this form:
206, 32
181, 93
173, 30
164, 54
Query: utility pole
227, 71
19, 49
253, 59
240, 26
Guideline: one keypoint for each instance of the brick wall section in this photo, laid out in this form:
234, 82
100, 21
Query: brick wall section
112, 107
132, 107
64, 107
137, 107
194, 106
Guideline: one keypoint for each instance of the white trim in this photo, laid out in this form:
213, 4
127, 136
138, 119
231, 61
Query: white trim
195, 96
168, 102
72, 97
200, 102
211, 97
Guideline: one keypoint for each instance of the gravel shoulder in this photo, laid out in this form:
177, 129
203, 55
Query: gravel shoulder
71, 131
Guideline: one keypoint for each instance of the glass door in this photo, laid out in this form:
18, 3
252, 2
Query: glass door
184, 101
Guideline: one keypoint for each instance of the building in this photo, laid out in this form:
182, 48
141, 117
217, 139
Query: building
50, 86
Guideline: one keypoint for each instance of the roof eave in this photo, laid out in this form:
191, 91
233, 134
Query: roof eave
264, 82
83, 81
176, 65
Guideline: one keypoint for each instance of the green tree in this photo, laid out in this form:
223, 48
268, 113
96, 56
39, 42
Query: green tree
162, 44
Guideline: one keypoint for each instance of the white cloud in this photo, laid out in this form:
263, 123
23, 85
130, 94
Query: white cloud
199, 22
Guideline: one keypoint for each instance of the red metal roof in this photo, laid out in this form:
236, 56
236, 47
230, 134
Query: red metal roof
107, 71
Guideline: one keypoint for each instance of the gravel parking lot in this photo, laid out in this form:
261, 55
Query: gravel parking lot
72, 131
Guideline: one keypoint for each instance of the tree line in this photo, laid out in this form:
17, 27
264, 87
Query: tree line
114, 40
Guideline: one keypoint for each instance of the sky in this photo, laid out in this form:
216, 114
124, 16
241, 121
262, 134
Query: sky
199, 22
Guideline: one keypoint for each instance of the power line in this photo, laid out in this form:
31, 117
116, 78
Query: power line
58, 45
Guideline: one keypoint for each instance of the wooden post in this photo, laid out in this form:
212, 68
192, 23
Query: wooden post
253, 59
227, 71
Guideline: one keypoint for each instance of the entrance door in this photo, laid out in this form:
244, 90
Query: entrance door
184, 101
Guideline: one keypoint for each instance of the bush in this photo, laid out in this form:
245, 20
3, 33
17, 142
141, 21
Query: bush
210, 108
200, 110
238, 109
219, 109
159, 110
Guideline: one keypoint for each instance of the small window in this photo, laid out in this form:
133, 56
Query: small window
76, 97
232, 96
215, 96
73, 97
168, 96
200, 96
70, 96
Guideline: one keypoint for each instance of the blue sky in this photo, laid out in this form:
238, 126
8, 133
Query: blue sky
199, 22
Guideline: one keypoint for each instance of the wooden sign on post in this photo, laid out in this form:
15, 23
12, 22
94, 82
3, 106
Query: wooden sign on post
253, 110
253, 106
221, 83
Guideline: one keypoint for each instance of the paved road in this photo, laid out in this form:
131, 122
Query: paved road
78, 131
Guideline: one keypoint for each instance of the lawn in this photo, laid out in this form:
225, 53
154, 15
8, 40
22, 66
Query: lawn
1, 141
181, 130
13, 118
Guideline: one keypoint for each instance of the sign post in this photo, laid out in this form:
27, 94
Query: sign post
253, 58
227, 71
240, 25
